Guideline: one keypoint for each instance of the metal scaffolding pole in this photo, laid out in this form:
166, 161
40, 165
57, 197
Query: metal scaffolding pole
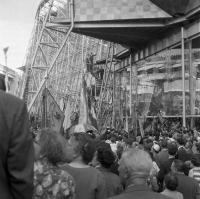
183, 76
131, 89
113, 100
55, 58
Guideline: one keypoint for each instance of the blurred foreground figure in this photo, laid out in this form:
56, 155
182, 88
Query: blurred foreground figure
16, 149
2, 84
50, 181
134, 169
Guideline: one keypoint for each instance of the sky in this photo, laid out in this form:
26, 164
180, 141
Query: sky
16, 24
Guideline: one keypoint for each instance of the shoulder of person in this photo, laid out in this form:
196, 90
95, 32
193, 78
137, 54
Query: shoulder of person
11, 99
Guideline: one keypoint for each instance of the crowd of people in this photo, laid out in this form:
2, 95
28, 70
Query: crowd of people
82, 165
117, 166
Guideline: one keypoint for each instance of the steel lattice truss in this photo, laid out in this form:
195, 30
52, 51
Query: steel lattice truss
56, 58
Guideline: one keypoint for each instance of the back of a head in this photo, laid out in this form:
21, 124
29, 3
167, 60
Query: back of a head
52, 146
86, 147
171, 181
195, 161
164, 143
198, 146
178, 165
138, 162
172, 148
105, 155
181, 140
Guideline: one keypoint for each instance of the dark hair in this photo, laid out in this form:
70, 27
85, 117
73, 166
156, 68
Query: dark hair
86, 146
172, 148
171, 181
105, 156
198, 146
179, 165
130, 140
181, 140
164, 143
195, 161
51, 144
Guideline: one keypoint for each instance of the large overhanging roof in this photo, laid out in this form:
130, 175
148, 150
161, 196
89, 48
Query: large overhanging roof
132, 23
177, 7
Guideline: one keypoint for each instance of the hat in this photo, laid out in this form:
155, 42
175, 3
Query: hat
156, 147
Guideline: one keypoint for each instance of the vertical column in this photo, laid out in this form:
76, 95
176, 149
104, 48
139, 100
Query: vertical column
183, 76
131, 89
192, 84
113, 97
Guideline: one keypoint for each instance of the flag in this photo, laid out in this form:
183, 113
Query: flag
83, 117
67, 123
55, 116
87, 115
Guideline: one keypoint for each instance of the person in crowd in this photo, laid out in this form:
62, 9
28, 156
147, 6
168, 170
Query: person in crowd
17, 155
165, 168
188, 186
163, 155
197, 153
105, 158
188, 147
153, 153
195, 171
90, 182
182, 152
171, 183
134, 168
49, 179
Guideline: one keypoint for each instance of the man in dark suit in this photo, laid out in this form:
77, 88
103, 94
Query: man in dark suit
165, 167
188, 186
16, 149
182, 153
134, 169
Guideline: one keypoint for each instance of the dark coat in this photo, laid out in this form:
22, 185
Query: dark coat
189, 187
182, 154
16, 149
165, 168
139, 192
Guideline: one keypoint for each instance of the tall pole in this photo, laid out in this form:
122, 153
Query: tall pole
183, 76
113, 116
5, 50
131, 89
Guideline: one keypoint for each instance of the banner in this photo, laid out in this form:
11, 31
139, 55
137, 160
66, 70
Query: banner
55, 116
87, 115
83, 116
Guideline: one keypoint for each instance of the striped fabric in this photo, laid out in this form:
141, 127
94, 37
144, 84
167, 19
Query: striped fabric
195, 173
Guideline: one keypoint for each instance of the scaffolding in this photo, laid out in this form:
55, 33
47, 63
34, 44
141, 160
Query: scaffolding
57, 58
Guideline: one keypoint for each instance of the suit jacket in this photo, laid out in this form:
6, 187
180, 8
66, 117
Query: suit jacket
182, 154
188, 187
139, 192
16, 149
165, 168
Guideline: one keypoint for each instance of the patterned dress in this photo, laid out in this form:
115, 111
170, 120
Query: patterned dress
51, 182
